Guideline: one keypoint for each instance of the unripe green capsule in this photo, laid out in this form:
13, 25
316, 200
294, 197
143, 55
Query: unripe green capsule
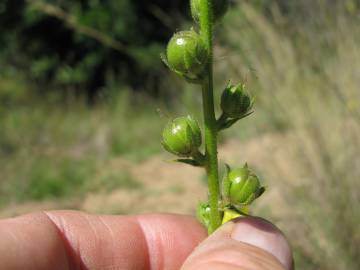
241, 187
235, 101
182, 136
186, 53
219, 6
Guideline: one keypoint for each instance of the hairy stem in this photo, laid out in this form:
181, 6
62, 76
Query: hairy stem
206, 25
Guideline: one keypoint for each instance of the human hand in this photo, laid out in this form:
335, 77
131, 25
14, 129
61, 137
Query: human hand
74, 240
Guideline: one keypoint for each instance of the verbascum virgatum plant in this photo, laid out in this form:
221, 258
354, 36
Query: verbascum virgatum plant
190, 55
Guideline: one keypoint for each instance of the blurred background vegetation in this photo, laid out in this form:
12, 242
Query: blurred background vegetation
84, 96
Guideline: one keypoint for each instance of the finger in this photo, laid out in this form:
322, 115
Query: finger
75, 240
247, 243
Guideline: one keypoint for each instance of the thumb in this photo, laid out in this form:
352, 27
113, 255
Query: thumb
245, 243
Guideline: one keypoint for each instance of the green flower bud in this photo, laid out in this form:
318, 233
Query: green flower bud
182, 136
241, 187
187, 54
235, 101
219, 6
203, 214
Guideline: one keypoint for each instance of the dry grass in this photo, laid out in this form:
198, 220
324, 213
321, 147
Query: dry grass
311, 91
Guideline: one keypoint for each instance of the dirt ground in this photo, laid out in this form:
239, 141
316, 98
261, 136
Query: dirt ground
177, 188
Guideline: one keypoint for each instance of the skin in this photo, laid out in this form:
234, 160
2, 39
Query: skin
75, 240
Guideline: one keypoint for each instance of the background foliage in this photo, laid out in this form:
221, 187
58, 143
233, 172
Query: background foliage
78, 45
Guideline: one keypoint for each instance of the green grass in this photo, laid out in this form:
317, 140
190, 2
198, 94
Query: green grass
52, 151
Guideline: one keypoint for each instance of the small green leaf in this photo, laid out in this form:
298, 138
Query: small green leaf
261, 191
189, 161
229, 123
190, 79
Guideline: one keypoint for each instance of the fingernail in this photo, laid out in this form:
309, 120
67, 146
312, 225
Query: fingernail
264, 235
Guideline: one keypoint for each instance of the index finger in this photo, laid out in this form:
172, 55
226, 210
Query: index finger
75, 240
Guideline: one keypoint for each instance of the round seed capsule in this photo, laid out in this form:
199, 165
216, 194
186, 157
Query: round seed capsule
235, 101
187, 54
182, 136
241, 187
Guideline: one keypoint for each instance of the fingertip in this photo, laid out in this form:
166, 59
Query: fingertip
262, 234
245, 243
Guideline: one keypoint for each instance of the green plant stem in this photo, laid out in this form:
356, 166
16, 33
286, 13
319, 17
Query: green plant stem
206, 25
